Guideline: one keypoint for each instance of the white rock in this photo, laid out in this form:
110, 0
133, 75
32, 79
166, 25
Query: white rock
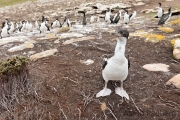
139, 3
43, 54
176, 48
157, 67
87, 62
175, 81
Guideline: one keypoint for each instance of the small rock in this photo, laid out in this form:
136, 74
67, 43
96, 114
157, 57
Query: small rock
175, 81
63, 29
57, 41
51, 36
176, 48
148, 11
157, 67
87, 62
43, 54
139, 3
78, 39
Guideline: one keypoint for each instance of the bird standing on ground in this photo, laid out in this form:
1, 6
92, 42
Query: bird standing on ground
126, 17
56, 23
116, 67
132, 16
4, 31
11, 31
44, 27
107, 16
117, 17
37, 25
84, 19
160, 11
165, 17
91, 19
98, 19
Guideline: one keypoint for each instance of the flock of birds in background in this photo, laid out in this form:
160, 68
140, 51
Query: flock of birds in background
9, 28
116, 66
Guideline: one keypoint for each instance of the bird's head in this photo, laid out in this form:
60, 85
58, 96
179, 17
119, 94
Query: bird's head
121, 32
159, 4
126, 11
169, 9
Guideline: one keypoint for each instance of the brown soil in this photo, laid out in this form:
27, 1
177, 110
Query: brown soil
67, 88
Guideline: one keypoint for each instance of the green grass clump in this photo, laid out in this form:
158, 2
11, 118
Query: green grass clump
12, 2
12, 65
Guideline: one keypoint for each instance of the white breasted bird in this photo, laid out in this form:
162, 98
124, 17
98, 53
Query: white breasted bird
107, 16
126, 17
44, 27
91, 19
116, 67
165, 17
56, 24
4, 32
132, 16
117, 17
98, 19
11, 30
37, 25
160, 11
84, 18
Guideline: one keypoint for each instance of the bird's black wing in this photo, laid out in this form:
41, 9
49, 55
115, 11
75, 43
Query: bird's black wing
104, 64
105, 61
117, 19
128, 61
130, 15
163, 19
47, 27
111, 19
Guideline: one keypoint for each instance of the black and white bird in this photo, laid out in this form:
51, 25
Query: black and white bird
108, 16
98, 19
132, 16
126, 17
37, 25
22, 26
160, 11
12, 28
44, 27
165, 17
117, 17
116, 67
4, 31
91, 19
56, 24
66, 23
84, 18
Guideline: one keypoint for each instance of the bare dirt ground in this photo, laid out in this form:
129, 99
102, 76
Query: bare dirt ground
64, 88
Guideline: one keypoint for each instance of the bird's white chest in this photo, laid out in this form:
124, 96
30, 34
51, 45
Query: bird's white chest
160, 12
116, 69
126, 18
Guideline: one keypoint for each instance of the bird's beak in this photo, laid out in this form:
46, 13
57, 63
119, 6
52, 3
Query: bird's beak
116, 34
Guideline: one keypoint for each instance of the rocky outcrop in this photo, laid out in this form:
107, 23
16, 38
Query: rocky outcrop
176, 48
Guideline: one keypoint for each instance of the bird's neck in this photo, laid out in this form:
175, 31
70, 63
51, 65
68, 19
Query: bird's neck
120, 49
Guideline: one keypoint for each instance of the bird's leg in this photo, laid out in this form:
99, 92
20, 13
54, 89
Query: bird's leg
104, 92
122, 84
121, 92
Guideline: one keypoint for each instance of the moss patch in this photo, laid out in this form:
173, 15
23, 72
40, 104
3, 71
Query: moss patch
12, 65
150, 37
166, 29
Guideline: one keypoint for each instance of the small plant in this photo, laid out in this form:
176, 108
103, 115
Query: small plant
12, 65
